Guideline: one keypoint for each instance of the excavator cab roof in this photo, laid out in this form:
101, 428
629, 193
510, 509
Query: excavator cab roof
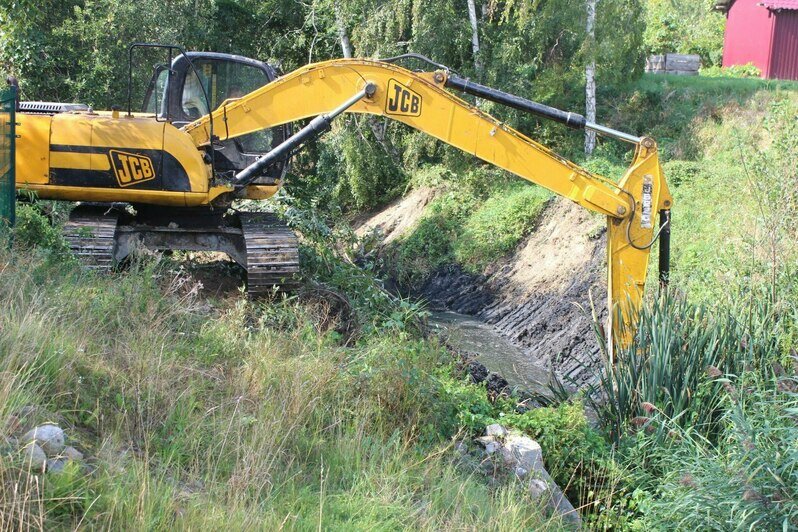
196, 83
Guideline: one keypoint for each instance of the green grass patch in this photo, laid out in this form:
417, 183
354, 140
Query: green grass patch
471, 225
240, 416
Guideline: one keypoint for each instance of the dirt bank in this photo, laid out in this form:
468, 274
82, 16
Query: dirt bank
538, 297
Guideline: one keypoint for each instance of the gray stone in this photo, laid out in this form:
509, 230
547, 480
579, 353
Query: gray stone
70, 453
496, 430
544, 488
55, 465
492, 447
33, 458
522, 451
520, 472
49, 437
485, 440
539, 489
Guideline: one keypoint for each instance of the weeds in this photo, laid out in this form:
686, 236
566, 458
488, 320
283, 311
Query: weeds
246, 418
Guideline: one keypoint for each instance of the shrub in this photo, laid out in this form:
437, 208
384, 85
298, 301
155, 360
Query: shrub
499, 224
747, 481
735, 71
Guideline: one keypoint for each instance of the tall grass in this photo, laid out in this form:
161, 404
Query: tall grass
674, 361
238, 416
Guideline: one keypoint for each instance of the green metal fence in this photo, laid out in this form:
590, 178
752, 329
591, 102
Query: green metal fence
8, 196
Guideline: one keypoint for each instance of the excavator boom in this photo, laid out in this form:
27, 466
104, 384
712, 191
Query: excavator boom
420, 100
180, 156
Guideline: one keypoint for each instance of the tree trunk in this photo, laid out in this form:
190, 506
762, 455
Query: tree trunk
590, 76
346, 45
378, 129
472, 16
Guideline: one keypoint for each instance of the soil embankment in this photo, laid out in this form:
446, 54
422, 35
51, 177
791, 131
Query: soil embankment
538, 297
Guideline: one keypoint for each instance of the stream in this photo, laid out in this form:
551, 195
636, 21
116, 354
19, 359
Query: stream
493, 350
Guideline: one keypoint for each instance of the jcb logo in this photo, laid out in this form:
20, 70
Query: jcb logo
401, 100
131, 168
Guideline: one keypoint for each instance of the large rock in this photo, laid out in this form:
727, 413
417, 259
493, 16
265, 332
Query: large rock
49, 437
524, 456
70, 453
522, 451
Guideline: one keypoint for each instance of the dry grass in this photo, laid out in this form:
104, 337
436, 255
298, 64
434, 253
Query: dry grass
239, 417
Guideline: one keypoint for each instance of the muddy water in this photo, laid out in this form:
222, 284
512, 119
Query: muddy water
491, 349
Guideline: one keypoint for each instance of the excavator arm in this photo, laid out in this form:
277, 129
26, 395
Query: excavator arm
421, 100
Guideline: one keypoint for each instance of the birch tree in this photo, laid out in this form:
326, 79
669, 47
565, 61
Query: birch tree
472, 16
590, 76
379, 129
343, 36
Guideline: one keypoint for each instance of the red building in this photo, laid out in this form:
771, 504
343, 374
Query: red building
762, 32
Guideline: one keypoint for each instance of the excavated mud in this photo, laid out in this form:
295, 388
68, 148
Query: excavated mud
539, 298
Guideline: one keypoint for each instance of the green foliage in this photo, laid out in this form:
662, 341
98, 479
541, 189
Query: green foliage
35, 229
225, 418
687, 27
478, 219
669, 367
745, 481
498, 225
734, 71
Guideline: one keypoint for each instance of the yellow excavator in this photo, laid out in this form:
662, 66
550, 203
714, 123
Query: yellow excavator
215, 128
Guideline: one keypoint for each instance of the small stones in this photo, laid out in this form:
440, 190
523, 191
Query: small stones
42, 448
33, 457
55, 465
49, 437
492, 447
70, 453
496, 430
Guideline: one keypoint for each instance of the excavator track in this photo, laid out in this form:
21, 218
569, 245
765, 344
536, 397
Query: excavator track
90, 233
272, 252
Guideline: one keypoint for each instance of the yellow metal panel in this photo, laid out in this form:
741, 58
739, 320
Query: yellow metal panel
76, 161
99, 161
131, 133
261, 192
628, 241
71, 129
153, 197
180, 145
33, 149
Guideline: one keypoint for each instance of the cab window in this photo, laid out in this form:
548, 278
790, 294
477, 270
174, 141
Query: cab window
157, 94
222, 80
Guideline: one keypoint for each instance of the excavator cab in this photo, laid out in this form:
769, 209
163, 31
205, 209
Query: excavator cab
196, 84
